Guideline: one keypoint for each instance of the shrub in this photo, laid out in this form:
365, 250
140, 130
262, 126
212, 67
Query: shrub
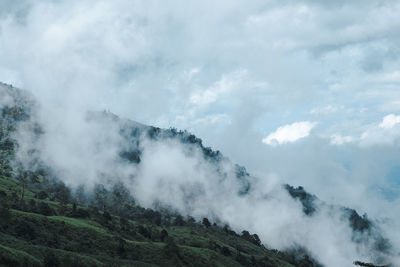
163, 235
42, 195
44, 209
225, 251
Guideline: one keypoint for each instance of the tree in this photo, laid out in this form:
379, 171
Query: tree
246, 235
44, 209
80, 195
256, 240
121, 248
206, 222
25, 230
179, 221
171, 249
157, 218
100, 196
191, 220
23, 178
32, 206
225, 251
144, 232
163, 235
63, 193
42, 195
107, 216
5, 215
119, 197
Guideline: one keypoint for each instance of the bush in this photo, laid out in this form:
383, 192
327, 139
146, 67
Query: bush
163, 235
81, 213
225, 251
5, 215
44, 209
179, 221
144, 232
25, 230
171, 249
42, 195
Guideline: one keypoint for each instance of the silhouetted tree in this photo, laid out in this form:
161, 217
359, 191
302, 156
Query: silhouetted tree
100, 195
179, 221
163, 235
63, 193
206, 222
80, 195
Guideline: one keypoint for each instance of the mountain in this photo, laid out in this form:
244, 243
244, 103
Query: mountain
51, 218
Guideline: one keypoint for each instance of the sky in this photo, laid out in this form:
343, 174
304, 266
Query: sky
307, 91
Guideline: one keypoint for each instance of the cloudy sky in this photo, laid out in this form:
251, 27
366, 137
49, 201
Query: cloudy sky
305, 90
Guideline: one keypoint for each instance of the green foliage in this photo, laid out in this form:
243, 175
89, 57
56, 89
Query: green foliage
14, 257
44, 209
171, 249
206, 222
87, 237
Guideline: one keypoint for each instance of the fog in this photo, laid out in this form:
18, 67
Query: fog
234, 74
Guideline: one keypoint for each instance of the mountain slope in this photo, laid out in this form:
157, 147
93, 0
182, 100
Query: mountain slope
49, 219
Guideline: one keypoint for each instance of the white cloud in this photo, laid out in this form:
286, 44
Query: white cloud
290, 133
389, 121
386, 133
224, 86
337, 139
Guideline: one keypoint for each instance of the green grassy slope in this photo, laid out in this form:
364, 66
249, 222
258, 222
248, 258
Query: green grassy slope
32, 239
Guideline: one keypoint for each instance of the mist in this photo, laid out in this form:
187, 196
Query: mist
233, 74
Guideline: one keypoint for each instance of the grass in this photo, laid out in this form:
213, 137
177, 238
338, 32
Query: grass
93, 243
82, 223
11, 255
33, 255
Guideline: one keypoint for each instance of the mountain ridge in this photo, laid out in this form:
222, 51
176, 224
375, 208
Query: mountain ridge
130, 131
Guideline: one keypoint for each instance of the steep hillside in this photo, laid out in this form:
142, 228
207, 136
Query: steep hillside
40, 230
44, 222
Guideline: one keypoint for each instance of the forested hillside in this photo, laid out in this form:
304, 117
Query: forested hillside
45, 223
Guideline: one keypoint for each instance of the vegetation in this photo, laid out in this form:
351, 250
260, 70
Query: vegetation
44, 232
45, 223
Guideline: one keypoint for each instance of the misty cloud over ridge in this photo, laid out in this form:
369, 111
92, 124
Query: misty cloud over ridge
174, 171
231, 72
